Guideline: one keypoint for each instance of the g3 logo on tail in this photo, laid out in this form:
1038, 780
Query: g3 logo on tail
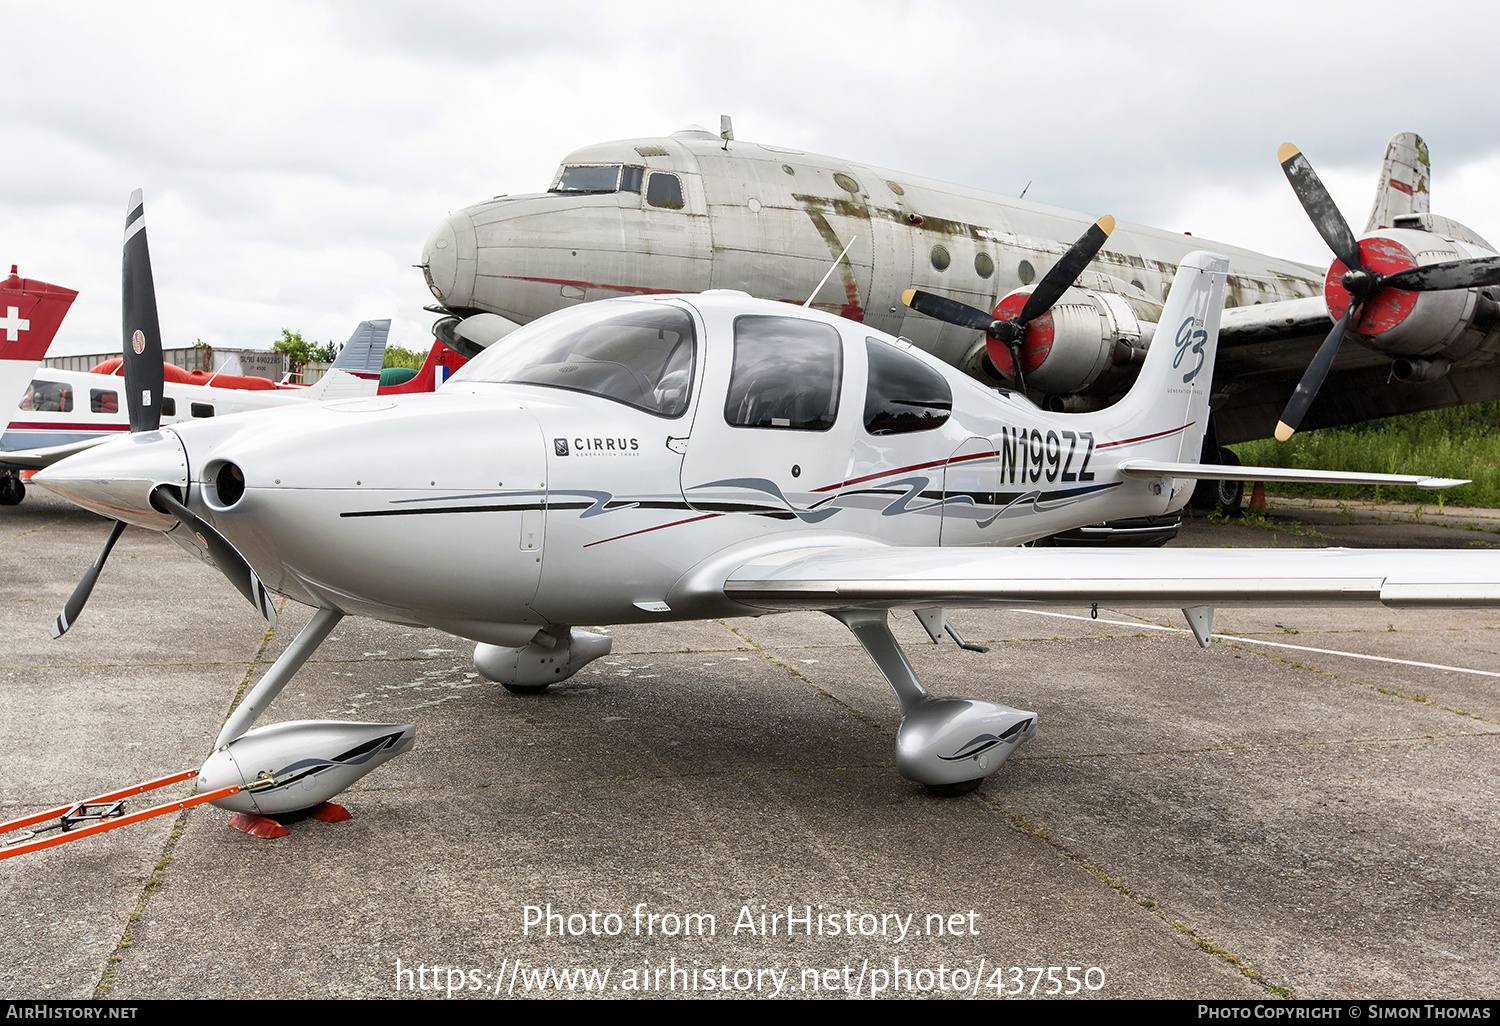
1189, 339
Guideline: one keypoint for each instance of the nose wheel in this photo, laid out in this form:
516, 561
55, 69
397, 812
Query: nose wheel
12, 490
957, 790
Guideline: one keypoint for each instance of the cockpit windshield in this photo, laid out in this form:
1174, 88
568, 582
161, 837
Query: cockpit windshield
598, 178
642, 355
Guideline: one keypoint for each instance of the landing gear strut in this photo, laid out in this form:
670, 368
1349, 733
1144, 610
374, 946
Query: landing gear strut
949, 745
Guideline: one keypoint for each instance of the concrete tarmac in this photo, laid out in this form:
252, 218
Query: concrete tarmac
713, 808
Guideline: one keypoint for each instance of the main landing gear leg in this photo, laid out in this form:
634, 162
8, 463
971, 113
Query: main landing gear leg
947, 744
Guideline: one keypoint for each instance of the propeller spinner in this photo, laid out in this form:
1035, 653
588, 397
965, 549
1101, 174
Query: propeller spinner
1366, 272
1012, 333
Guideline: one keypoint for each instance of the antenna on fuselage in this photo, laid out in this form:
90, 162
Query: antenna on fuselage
830, 273
726, 129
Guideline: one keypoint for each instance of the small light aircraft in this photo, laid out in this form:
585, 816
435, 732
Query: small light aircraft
58, 412
693, 456
696, 211
30, 313
62, 412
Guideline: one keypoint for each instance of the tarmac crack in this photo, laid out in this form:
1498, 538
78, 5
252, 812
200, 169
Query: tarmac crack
773, 660
34, 530
158, 876
1151, 906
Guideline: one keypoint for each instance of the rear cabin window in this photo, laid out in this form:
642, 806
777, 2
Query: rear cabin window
787, 373
103, 401
642, 356
664, 190
202, 409
48, 397
903, 394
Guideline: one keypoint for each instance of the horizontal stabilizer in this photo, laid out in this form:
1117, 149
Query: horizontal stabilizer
36, 459
1224, 472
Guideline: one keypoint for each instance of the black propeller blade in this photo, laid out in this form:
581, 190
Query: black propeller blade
1312, 378
1319, 205
225, 556
144, 374
85, 587
1362, 283
1452, 274
1012, 332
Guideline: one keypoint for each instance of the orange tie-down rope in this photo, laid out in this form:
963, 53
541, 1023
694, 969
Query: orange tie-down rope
106, 819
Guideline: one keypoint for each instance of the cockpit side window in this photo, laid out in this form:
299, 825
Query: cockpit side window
903, 394
588, 178
664, 190
787, 373
643, 356
48, 397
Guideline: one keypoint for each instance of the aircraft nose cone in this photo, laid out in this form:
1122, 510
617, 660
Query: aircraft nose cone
116, 479
449, 261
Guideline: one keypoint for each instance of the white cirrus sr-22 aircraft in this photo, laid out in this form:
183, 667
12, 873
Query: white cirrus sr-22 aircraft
693, 456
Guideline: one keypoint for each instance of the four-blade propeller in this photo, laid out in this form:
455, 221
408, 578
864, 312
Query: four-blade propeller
1362, 282
1011, 333
144, 376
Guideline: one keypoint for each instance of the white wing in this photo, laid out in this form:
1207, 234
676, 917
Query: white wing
844, 578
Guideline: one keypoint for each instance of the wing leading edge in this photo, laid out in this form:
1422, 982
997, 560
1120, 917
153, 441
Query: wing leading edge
897, 577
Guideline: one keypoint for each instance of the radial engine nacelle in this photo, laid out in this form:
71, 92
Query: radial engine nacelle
555, 654
1091, 341
1423, 332
288, 767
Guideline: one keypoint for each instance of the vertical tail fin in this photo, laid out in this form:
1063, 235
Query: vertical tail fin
30, 313
1405, 181
1169, 399
440, 364
356, 370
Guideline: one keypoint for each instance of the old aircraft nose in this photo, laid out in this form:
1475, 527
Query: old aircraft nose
449, 261
116, 479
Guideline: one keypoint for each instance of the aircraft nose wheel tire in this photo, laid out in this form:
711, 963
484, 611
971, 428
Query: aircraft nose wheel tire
12, 490
957, 790
525, 689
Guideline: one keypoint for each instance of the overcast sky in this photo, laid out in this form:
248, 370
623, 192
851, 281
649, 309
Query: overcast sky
294, 156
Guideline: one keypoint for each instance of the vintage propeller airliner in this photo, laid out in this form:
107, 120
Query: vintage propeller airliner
696, 211
692, 456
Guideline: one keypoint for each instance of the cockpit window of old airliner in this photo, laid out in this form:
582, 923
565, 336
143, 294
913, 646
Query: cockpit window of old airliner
599, 178
787, 373
643, 356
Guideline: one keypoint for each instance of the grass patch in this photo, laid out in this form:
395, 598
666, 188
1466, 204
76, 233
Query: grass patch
1462, 442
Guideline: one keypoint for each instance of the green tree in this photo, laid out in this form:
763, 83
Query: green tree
299, 350
400, 356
